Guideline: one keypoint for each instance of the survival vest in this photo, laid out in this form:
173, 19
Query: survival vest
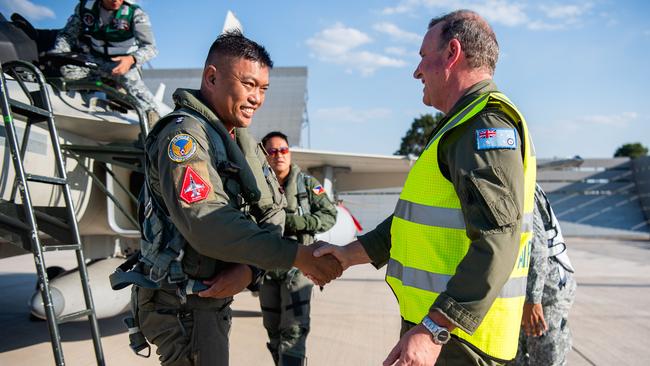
112, 39
159, 264
429, 239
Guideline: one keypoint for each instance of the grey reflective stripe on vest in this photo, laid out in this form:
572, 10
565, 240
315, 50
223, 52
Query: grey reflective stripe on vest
459, 117
449, 218
436, 282
115, 48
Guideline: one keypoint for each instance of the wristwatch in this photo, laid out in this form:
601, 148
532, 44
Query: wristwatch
439, 334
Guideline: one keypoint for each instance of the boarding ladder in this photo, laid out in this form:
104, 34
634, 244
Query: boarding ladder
27, 223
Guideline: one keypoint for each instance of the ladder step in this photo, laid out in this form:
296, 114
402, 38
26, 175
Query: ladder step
45, 179
77, 315
54, 248
29, 111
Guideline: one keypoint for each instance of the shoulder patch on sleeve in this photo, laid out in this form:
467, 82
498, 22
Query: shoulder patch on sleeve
181, 148
318, 190
194, 188
496, 138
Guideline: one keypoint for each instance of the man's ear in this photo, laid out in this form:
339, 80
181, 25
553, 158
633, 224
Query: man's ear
454, 52
210, 75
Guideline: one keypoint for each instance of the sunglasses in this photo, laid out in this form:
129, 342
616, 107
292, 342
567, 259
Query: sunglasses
283, 151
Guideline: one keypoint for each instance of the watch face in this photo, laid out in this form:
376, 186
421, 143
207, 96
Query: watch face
443, 336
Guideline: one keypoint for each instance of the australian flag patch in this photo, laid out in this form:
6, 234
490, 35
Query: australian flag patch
496, 138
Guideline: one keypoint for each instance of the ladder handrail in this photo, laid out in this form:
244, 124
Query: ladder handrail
17, 157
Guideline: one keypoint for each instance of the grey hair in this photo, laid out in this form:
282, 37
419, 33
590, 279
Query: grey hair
478, 41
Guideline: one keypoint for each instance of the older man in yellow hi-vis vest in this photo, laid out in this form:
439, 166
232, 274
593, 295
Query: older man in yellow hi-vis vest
457, 244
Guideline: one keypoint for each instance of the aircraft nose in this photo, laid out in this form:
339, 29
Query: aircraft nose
36, 303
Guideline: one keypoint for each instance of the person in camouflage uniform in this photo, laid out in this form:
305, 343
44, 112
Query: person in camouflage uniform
117, 36
285, 295
545, 338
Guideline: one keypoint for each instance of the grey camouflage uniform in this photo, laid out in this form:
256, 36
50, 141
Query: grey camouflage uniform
552, 348
68, 40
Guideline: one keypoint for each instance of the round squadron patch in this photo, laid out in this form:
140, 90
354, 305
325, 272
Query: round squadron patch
181, 148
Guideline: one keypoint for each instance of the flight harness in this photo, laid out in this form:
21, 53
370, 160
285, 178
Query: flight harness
158, 263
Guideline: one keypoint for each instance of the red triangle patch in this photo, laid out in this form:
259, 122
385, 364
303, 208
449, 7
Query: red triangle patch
194, 188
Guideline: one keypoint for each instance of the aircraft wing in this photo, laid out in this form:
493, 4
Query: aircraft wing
351, 172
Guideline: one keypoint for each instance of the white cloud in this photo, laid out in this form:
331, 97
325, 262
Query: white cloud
615, 120
351, 115
339, 45
397, 51
501, 12
28, 9
646, 32
541, 25
565, 11
405, 6
396, 32
511, 13
337, 40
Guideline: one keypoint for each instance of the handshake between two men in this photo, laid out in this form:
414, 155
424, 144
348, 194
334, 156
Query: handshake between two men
323, 262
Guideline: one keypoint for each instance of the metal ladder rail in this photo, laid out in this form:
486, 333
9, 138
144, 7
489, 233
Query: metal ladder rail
61, 180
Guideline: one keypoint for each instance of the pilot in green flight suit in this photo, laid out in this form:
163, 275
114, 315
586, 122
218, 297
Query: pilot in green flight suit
285, 295
209, 188
457, 245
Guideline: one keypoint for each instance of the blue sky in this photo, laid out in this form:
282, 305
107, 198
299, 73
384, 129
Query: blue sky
576, 69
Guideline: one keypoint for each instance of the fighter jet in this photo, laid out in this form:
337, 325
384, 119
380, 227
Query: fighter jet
101, 137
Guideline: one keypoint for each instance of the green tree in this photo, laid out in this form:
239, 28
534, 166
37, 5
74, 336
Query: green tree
633, 150
418, 135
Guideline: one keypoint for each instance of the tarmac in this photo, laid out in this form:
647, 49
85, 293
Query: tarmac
355, 320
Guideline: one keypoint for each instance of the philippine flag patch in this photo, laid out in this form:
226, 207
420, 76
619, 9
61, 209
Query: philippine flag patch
496, 138
318, 190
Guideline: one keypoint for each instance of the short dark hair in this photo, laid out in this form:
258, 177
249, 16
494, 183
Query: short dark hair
233, 44
273, 134
474, 34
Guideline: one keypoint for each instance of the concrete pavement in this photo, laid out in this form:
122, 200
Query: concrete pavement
355, 320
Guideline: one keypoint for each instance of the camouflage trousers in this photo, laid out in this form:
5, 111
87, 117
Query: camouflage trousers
285, 301
131, 81
552, 348
194, 333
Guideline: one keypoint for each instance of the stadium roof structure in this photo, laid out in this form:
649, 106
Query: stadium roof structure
285, 108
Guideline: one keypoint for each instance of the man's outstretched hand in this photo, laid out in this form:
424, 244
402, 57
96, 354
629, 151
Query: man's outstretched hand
124, 64
322, 269
348, 255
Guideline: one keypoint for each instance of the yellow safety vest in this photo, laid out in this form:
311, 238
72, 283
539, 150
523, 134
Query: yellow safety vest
429, 240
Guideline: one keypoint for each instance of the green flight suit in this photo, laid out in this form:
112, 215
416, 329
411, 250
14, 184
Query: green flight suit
285, 295
225, 215
478, 280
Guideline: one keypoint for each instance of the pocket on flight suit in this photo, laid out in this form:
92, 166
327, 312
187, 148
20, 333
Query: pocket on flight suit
498, 205
209, 338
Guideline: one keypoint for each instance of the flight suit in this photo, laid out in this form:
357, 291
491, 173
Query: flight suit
285, 295
78, 29
224, 199
552, 286
478, 176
